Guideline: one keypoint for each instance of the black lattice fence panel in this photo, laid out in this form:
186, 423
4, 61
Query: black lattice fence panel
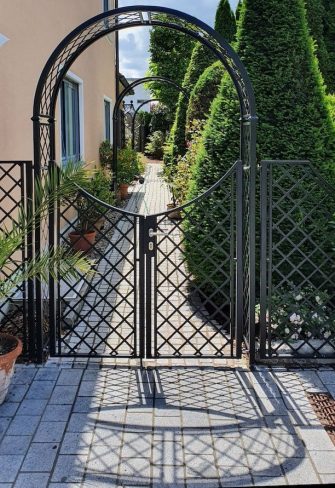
97, 315
15, 189
195, 276
297, 302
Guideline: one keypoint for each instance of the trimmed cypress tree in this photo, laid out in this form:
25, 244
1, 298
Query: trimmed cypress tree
316, 22
170, 52
225, 22
329, 39
200, 60
294, 118
238, 10
203, 94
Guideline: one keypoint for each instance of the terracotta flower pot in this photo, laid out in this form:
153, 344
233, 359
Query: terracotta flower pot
7, 361
123, 191
84, 241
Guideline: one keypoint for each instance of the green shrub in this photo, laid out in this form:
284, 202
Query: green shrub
128, 165
200, 60
321, 21
106, 154
99, 185
301, 314
154, 148
331, 106
185, 164
203, 94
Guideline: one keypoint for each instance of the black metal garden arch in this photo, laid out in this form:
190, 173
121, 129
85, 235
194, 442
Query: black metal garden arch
133, 122
116, 113
44, 137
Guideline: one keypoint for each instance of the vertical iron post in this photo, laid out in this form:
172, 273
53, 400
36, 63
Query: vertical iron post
53, 240
38, 299
252, 237
263, 257
239, 259
29, 192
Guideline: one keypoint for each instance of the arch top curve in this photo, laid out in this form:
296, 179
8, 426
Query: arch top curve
141, 81
105, 23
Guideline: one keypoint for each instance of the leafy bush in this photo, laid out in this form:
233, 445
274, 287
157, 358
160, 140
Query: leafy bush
182, 174
90, 212
155, 146
203, 94
305, 313
106, 154
128, 165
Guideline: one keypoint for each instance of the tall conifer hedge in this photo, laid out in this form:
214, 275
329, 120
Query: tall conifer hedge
294, 121
201, 58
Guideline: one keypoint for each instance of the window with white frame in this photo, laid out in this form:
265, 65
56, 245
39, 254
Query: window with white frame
70, 121
107, 111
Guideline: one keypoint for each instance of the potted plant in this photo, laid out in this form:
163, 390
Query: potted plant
10, 349
83, 237
128, 168
90, 213
58, 262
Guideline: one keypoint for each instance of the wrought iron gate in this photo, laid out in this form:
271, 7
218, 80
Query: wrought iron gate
143, 300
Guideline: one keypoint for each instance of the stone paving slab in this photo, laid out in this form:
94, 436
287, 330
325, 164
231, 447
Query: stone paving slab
178, 427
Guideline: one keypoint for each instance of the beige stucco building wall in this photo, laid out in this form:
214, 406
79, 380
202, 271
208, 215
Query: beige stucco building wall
34, 28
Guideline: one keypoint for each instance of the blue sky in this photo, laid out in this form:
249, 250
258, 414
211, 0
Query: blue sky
134, 42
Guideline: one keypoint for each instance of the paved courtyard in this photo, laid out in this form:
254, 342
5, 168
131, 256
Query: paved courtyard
69, 425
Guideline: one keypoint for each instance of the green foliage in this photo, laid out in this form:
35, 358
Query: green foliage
142, 129
225, 23
160, 119
201, 59
100, 187
170, 54
321, 21
238, 10
329, 37
128, 165
106, 154
182, 175
331, 106
301, 314
154, 148
203, 94
61, 184
294, 118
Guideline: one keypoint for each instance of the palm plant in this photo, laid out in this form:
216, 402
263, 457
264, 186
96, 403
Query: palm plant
59, 262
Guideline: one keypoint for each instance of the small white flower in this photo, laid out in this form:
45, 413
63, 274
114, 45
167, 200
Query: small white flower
295, 336
327, 334
309, 334
299, 297
318, 300
287, 331
299, 330
293, 317
315, 316
274, 326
